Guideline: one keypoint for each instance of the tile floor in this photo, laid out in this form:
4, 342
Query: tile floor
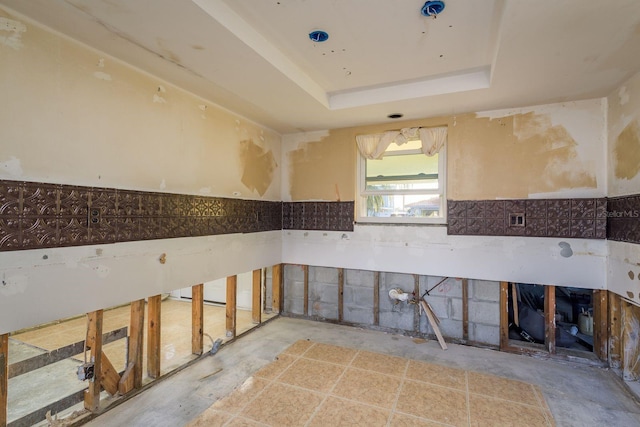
316, 384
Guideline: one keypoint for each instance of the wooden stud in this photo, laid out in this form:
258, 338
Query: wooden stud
376, 298
153, 336
514, 304
4, 377
136, 337
94, 341
256, 297
340, 294
504, 315
276, 288
600, 326
305, 270
630, 341
465, 309
197, 318
232, 282
550, 318
416, 311
109, 377
615, 331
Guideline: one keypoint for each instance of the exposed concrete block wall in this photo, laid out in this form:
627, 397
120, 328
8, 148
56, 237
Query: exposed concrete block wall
358, 302
268, 292
484, 311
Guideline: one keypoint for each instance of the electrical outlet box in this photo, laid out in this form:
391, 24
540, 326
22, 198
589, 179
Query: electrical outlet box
86, 371
516, 220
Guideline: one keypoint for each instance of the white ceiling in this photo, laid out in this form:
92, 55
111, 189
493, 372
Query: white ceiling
254, 57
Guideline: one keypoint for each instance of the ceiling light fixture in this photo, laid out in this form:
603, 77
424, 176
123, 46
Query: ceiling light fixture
432, 8
318, 36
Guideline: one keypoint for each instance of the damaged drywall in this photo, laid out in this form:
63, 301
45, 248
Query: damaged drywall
626, 151
258, 166
11, 32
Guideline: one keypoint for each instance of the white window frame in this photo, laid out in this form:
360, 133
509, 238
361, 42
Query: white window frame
361, 205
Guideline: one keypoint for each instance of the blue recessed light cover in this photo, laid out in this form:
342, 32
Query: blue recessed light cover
432, 8
319, 36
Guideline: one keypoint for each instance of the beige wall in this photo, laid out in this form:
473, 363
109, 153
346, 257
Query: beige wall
544, 151
70, 114
624, 138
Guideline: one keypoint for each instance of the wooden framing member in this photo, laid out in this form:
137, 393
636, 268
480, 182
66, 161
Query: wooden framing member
109, 377
465, 309
153, 336
600, 326
197, 318
232, 282
504, 316
276, 288
94, 341
615, 331
4, 377
340, 294
416, 311
132, 376
305, 270
630, 342
376, 298
550, 318
256, 297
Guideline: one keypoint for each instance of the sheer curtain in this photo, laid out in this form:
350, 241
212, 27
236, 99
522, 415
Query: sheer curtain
373, 146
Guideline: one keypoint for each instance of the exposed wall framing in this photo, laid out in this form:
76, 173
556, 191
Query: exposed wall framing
197, 319
153, 336
230, 306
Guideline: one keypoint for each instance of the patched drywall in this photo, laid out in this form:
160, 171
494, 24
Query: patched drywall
79, 116
554, 150
624, 138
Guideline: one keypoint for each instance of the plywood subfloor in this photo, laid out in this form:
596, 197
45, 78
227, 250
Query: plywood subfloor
316, 384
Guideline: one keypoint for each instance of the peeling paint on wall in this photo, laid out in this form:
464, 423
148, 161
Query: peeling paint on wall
627, 152
258, 166
512, 157
11, 33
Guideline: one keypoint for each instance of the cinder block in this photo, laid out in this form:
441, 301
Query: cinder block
358, 296
485, 290
326, 311
324, 274
293, 289
440, 306
323, 292
450, 287
448, 328
357, 314
455, 308
294, 272
359, 278
485, 334
397, 280
403, 320
269, 272
294, 305
487, 313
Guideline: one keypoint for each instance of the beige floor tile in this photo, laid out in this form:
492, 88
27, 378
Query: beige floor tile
437, 374
298, 347
244, 422
331, 353
368, 387
487, 411
240, 397
273, 369
210, 418
489, 385
283, 405
337, 412
381, 363
403, 420
441, 404
312, 374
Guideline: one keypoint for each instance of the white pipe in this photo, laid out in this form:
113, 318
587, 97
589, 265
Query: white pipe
398, 294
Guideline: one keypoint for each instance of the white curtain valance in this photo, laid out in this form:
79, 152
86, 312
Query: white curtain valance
373, 146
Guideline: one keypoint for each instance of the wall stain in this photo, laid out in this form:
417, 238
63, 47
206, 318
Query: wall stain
258, 166
512, 157
626, 152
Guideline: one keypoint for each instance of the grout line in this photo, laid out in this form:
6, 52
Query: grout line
468, 396
395, 404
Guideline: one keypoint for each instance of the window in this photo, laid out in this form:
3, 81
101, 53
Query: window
404, 185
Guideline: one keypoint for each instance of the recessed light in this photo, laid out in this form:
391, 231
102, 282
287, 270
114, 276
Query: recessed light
395, 116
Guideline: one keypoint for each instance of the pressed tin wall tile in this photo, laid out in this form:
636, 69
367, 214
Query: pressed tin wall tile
623, 219
577, 218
